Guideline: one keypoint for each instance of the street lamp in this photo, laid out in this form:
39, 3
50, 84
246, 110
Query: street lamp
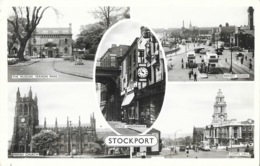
231, 67
176, 139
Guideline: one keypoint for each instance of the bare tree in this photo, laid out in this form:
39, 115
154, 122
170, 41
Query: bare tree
24, 22
109, 14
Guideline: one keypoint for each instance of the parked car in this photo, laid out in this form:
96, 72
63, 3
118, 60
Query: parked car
236, 48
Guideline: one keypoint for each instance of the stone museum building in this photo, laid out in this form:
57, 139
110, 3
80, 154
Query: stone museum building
222, 131
50, 42
74, 137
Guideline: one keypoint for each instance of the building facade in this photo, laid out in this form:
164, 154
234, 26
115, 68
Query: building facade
225, 132
142, 101
50, 42
74, 137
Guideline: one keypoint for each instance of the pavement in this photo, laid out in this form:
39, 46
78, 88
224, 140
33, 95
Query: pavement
123, 130
177, 73
42, 70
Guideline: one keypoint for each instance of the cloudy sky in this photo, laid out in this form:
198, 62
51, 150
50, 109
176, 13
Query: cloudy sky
122, 33
59, 100
188, 105
201, 16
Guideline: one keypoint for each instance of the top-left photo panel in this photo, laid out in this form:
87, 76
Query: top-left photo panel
56, 44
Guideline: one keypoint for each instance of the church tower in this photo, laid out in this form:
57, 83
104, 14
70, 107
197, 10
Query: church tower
220, 113
250, 17
25, 120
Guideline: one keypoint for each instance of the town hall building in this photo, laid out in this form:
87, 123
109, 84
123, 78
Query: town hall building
76, 137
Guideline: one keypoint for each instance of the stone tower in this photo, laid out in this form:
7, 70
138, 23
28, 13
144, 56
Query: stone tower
25, 120
220, 113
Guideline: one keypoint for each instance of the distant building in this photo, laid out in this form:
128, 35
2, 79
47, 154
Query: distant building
74, 137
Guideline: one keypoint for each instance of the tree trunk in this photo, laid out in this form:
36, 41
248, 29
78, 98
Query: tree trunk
20, 53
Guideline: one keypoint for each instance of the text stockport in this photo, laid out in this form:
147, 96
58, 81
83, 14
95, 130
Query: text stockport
142, 140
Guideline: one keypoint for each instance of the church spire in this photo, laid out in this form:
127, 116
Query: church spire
30, 93
44, 122
79, 122
36, 98
18, 95
56, 122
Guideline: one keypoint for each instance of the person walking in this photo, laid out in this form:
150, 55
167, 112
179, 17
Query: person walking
195, 76
189, 75
187, 151
182, 66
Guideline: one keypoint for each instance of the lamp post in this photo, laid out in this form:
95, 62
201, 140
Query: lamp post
231, 67
71, 150
176, 139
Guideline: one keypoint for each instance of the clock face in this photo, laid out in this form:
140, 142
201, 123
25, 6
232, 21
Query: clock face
142, 72
23, 120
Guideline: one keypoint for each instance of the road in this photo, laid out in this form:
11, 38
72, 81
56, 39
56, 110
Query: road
179, 74
42, 68
213, 153
119, 127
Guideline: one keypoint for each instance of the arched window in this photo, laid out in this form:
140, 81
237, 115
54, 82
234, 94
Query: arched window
20, 110
74, 137
62, 149
62, 138
25, 109
65, 50
86, 138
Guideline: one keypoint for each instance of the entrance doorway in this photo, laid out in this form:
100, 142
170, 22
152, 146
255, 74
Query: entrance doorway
50, 53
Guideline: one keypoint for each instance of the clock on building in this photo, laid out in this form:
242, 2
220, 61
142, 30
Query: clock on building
142, 72
23, 120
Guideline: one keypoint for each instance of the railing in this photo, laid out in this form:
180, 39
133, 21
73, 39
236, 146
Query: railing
107, 63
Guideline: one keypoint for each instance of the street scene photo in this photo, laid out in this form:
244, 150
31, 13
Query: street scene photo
130, 77
44, 123
56, 44
201, 48
218, 123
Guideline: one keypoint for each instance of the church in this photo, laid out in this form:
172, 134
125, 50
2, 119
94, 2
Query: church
76, 138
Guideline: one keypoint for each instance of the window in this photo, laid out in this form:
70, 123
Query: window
26, 110
86, 138
65, 50
62, 138
134, 58
66, 41
74, 137
62, 149
20, 110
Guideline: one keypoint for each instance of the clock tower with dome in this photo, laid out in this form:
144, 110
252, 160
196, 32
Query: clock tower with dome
220, 113
25, 121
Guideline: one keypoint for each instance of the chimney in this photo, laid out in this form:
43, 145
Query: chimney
227, 24
113, 45
220, 25
142, 30
250, 17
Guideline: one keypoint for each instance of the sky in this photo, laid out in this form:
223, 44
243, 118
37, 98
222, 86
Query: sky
189, 105
76, 15
59, 100
173, 16
122, 33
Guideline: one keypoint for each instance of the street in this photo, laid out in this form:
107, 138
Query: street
177, 73
120, 128
42, 68
213, 153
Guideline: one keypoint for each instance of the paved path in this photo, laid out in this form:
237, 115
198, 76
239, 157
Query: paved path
42, 68
119, 127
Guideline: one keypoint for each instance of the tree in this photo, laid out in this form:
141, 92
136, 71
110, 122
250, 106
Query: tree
24, 22
90, 37
45, 140
94, 148
109, 15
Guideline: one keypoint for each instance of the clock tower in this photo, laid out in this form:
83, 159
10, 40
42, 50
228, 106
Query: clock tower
25, 121
220, 105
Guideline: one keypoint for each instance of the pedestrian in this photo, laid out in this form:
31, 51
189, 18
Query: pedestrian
189, 75
186, 65
242, 60
246, 58
182, 60
237, 149
182, 66
187, 151
195, 76
250, 66
226, 60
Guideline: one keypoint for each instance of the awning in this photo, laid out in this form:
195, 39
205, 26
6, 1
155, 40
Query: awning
128, 98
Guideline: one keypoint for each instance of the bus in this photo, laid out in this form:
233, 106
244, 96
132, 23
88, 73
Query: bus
211, 59
191, 59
